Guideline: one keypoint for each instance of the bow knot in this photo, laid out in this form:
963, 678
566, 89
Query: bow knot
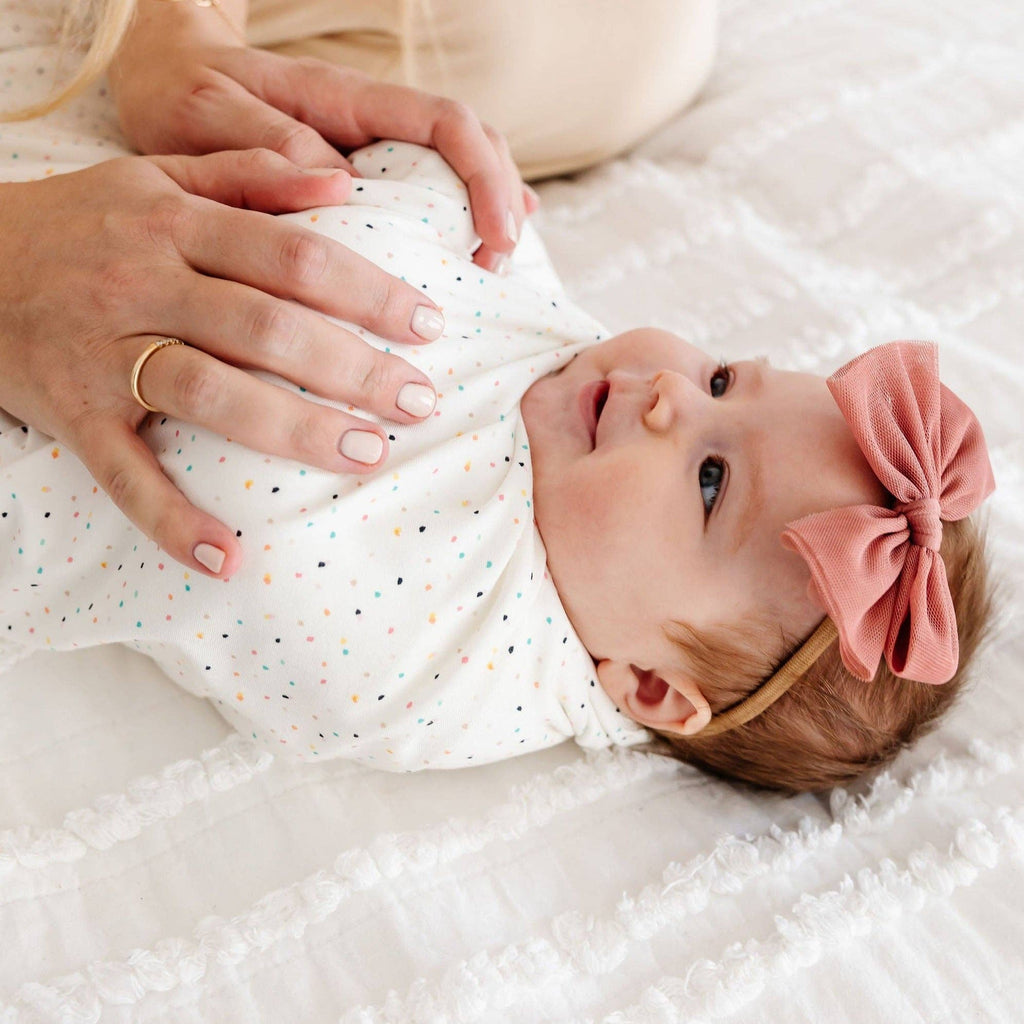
923, 518
877, 571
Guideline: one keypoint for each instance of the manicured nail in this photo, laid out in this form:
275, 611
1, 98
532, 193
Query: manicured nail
322, 172
510, 228
416, 399
533, 193
500, 266
361, 446
208, 555
427, 322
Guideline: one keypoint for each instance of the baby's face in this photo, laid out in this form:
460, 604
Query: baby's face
662, 483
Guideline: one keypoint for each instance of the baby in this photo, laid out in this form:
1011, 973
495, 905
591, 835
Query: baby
681, 505
583, 541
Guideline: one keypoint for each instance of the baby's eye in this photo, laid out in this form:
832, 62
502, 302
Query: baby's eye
720, 380
711, 472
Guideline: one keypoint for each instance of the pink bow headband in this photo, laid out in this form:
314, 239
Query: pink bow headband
877, 571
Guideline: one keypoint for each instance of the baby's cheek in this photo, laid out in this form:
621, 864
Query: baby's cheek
598, 514
572, 523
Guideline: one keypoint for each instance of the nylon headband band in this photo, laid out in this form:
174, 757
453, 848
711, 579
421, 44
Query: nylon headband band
776, 685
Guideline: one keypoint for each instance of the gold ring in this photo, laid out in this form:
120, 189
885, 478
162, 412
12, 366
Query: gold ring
141, 362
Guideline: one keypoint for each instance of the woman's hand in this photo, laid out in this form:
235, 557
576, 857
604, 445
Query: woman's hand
103, 262
198, 97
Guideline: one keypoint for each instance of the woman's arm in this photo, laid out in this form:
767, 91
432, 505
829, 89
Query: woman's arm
160, 26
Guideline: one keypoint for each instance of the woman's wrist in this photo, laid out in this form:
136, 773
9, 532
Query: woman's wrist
163, 29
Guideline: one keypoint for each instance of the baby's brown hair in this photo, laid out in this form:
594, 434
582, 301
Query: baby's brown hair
829, 727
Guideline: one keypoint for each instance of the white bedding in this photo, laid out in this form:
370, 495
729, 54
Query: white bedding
853, 173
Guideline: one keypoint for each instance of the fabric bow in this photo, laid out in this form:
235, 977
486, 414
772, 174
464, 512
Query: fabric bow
878, 571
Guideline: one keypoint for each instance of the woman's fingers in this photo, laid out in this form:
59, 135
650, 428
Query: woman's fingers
246, 327
197, 388
91, 291
461, 139
128, 471
226, 115
286, 260
256, 179
485, 256
351, 109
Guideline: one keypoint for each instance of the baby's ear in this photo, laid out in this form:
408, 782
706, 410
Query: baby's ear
666, 700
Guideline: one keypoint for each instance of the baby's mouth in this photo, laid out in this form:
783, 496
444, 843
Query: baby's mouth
592, 399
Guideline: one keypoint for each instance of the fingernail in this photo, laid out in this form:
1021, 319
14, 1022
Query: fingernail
208, 555
322, 172
510, 228
361, 446
427, 322
533, 193
416, 399
500, 266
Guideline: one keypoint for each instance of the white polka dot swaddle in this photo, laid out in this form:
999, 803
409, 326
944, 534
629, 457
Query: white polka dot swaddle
405, 619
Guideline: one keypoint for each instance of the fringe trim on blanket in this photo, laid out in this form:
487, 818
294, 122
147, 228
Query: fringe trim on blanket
114, 818
79, 998
820, 924
474, 990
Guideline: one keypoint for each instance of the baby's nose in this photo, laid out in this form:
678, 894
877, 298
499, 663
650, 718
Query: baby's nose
673, 395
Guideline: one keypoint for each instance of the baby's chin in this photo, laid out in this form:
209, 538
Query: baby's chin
540, 409
542, 383
527, 407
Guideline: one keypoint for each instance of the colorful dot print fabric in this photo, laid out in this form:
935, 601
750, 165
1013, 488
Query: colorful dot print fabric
404, 620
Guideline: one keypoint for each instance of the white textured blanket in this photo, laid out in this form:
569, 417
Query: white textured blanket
853, 173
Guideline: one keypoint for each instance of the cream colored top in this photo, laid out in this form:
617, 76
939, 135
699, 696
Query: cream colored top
569, 82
